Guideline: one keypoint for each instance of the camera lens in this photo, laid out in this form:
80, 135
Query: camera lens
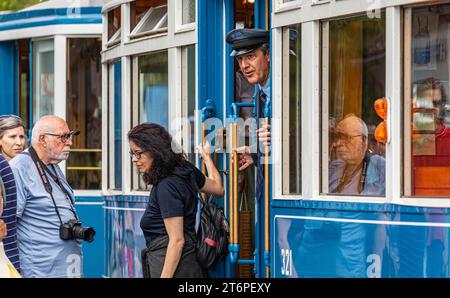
87, 234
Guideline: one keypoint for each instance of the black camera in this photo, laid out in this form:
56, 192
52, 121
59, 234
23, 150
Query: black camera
73, 230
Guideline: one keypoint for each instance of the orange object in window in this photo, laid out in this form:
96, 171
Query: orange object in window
381, 108
380, 134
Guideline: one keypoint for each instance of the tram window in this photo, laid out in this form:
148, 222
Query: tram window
114, 24
153, 87
188, 83
44, 78
84, 112
353, 77
427, 106
292, 110
148, 17
24, 81
188, 15
115, 132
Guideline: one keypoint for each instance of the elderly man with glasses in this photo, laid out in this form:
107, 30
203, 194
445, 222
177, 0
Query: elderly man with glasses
355, 171
45, 201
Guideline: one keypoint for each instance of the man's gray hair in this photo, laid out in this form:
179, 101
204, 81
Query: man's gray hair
41, 126
265, 48
9, 122
364, 129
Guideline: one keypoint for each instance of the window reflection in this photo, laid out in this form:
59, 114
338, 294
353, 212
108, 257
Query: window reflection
188, 100
292, 110
44, 78
188, 11
430, 109
148, 17
153, 97
84, 112
354, 61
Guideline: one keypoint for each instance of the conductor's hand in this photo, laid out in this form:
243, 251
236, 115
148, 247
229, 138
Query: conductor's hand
264, 134
245, 158
205, 149
3, 230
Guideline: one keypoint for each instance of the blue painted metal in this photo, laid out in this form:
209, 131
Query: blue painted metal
45, 17
118, 124
90, 212
210, 73
208, 111
341, 243
236, 105
124, 238
7, 75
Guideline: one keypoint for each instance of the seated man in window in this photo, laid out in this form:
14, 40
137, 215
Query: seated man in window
355, 171
431, 133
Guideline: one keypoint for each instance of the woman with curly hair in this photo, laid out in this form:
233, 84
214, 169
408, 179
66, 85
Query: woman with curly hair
168, 222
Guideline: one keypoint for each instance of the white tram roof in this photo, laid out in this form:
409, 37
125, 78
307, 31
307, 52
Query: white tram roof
64, 4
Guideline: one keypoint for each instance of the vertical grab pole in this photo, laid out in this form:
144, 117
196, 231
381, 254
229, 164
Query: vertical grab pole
266, 206
203, 162
232, 242
235, 185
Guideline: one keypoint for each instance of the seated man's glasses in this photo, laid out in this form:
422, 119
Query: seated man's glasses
343, 137
65, 136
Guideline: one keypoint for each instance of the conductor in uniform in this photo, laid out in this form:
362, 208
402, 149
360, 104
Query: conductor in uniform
252, 52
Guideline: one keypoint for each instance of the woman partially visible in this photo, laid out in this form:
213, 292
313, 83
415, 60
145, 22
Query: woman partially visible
12, 143
168, 222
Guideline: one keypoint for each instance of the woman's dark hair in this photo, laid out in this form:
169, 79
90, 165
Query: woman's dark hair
155, 140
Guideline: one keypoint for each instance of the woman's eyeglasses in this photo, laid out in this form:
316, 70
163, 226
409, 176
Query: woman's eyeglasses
136, 154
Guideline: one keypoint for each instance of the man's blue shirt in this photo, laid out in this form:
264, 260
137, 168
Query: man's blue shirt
42, 252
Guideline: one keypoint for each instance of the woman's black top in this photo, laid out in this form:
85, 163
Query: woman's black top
173, 196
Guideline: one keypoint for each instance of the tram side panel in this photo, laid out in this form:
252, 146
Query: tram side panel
331, 242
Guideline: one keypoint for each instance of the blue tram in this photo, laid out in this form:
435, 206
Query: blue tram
323, 215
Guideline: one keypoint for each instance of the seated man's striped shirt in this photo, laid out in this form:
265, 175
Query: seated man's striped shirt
9, 212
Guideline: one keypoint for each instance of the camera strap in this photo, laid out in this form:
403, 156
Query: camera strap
42, 169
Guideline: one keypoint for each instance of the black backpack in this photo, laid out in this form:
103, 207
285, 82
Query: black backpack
212, 235
213, 231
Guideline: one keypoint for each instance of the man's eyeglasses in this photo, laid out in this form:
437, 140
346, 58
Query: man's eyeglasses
65, 136
136, 154
343, 137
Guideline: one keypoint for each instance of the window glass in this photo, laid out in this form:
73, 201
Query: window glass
188, 98
114, 24
153, 97
24, 81
188, 11
429, 107
353, 78
292, 110
44, 79
117, 111
84, 112
153, 88
148, 17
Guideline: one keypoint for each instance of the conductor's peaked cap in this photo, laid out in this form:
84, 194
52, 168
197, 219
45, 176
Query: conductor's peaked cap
246, 40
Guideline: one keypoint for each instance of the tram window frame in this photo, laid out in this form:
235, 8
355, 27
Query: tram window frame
286, 109
324, 192
149, 16
137, 180
281, 6
179, 25
113, 38
407, 192
93, 39
112, 160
